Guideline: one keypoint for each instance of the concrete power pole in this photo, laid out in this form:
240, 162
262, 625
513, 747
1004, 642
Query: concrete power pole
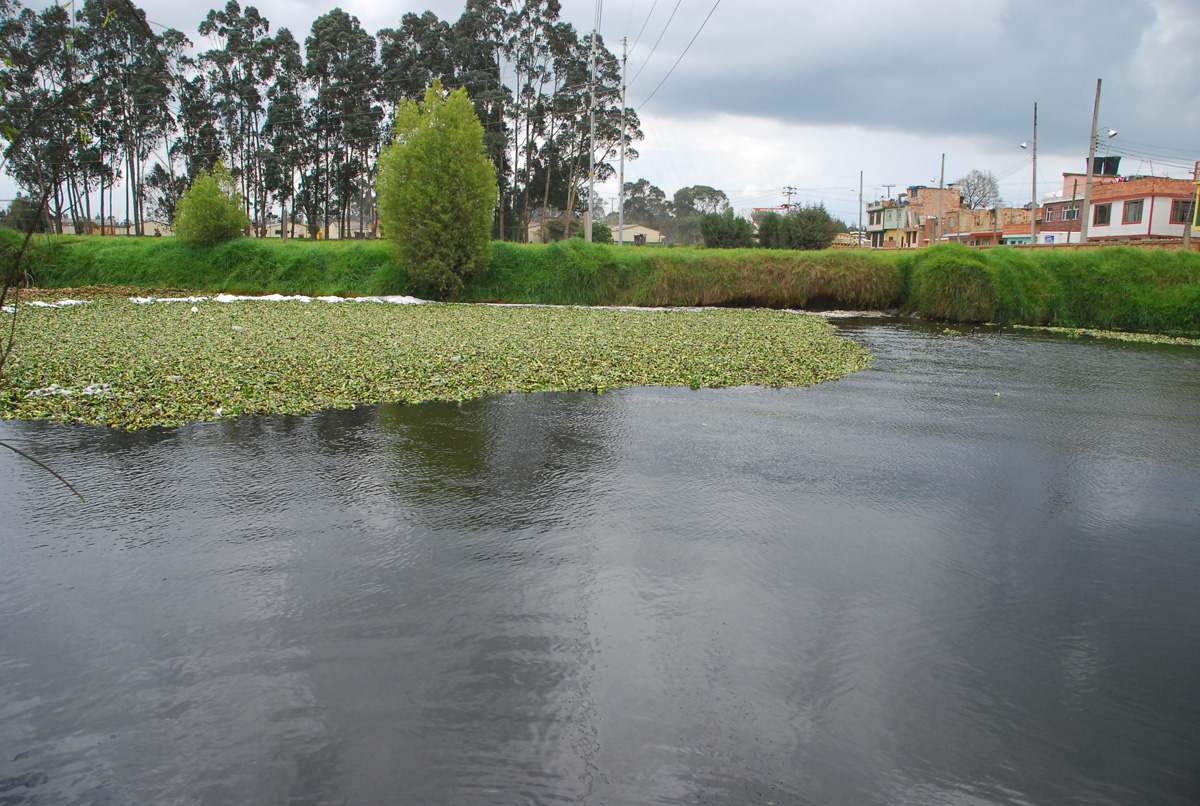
937, 235
1195, 216
587, 221
1033, 218
1087, 188
860, 208
621, 178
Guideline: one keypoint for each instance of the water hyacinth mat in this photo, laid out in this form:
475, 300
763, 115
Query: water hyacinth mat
127, 365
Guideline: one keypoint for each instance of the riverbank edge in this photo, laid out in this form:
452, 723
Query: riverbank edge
1111, 288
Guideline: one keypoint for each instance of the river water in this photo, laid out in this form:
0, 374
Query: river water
967, 575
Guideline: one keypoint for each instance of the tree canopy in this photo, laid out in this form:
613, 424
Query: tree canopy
725, 231
979, 190
805, 227
299, 119
698, 200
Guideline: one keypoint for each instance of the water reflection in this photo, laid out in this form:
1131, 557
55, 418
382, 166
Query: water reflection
898, 588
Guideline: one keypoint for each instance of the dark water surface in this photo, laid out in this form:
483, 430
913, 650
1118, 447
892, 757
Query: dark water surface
894, 589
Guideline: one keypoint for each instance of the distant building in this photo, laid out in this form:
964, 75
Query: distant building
892, 224
1123, 209
632, 233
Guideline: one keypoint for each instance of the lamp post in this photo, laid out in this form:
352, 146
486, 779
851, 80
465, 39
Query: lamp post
1033, 215
1087, 188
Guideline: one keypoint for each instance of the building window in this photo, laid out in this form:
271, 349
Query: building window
1101, 214
1049, 214
1132, 214
1070, 212
1181, 211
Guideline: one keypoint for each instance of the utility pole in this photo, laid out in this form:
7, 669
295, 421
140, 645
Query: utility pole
1033, 217
1187, 227
941, 187
587, 222
788, 192
860, 208
621, 178
1087, 188
1071, 222
888, 188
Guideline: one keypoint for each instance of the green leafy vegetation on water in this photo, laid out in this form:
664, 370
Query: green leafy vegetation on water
132, 366
1141, 338
1110, 288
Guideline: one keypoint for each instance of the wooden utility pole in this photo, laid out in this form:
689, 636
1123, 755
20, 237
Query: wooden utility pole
1087, 188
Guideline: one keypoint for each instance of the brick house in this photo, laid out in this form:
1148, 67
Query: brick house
1061, 211
990, 227
1123, 208
1141, 207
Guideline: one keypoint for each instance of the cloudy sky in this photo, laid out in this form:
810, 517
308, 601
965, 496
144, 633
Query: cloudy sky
775, 93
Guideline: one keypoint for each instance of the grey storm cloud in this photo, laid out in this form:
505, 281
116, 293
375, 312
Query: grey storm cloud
950, 68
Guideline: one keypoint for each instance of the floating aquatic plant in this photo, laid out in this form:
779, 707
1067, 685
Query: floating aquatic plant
121, 364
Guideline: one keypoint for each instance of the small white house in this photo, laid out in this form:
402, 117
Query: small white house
632, 231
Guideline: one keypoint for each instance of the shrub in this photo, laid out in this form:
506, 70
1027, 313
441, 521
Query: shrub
724, 231
600, 233
808, 227
211, 210
437, 191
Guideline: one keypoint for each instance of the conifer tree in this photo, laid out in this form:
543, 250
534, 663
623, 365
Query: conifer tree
437, 191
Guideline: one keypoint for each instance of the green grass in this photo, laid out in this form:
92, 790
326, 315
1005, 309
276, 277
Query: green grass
246, 265
132, 366
1109, 288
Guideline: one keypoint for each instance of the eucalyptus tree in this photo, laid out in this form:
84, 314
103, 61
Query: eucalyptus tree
645, 203
412, 56
527, 30
133, 88
344, 73
237, 73
698, 200
44, 105
476, 53
199, 141
286, 125
613, 125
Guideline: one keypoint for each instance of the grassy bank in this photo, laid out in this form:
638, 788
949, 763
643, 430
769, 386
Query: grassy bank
244, 266
1111, 288
120, 364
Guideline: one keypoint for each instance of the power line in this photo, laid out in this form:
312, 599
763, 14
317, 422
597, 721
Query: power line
681, 55
644, 24
660, 36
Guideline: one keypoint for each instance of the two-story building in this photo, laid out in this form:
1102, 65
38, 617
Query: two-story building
892, 224
1141, 207
1061, 212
